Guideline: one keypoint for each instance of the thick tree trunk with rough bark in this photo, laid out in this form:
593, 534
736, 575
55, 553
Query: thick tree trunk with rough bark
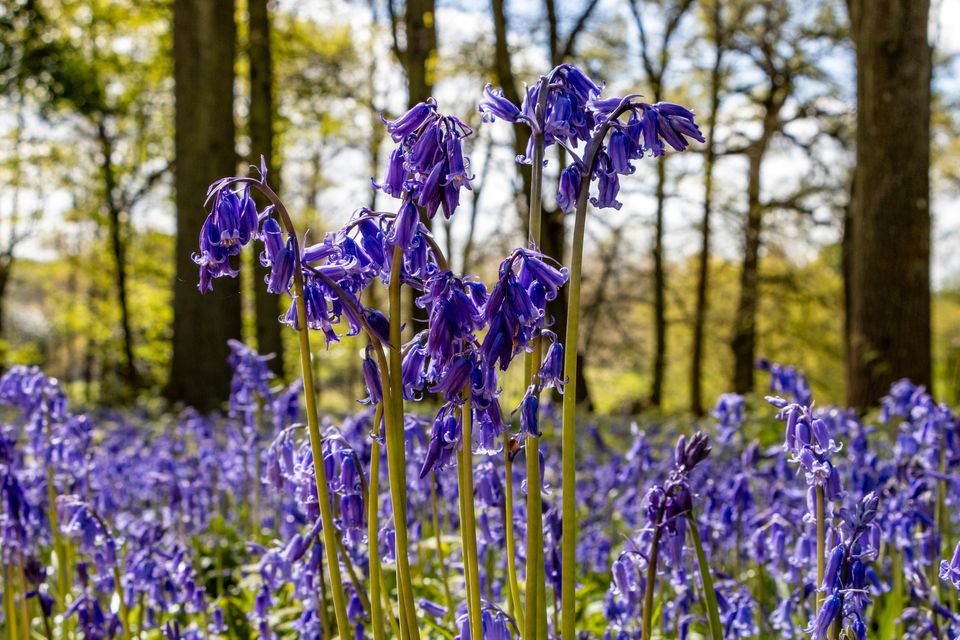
204, 44
889, 325
266, 304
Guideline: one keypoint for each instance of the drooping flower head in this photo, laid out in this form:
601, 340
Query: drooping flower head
572, 110
428, 168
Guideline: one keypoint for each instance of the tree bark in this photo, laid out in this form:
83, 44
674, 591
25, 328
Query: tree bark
780, 84
890, 214
419, 58
421, 50
703, 261
266, 304
204, 44
659, 288
745, 322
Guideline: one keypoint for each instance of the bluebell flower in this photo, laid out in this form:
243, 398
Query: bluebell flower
230, 225
393, 184
950, 572
529, 413
496, 106
444, 440
570, 179
432, 609
404, 226
550, 374
820, 627
409, 122
371, 377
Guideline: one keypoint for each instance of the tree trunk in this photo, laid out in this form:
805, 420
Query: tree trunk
745, 322
419, 60
503, 69
6, 263
890, 214
266, 304
703, 261
204, 44
119, 248
659, 289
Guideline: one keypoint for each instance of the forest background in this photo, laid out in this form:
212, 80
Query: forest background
115, 115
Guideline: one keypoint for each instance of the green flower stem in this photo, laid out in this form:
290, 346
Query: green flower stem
821, 544
468, 521
8, 602
651, 576
897, 593
24, 604
534, 538
942, 520
316, 449
124, 610
568, 438
59, 544
533, 583
441, 554
388, 607
568, 581
509, 531
313, 422
355, 578
373, 530
706, 578
397, 457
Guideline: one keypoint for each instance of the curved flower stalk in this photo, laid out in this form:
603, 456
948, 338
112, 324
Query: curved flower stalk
566, 108
320, 297
667, 508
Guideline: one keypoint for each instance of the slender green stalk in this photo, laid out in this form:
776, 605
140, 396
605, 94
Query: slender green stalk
897, 593
534, 538
24, 604
373, 531
651, 577
509, 532
821, 545
709, 594
313, 422
59, 545
124, 611
542, 629
568, 580
322, 603
468, 523
396, 457
569, 436
385, 594
8, 601
320, 474
533, 583
941, 524
464, 552
441, 554
354, 577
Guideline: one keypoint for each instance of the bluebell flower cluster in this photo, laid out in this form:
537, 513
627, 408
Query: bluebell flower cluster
846, 582
427, 169
232, 223
573, 111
